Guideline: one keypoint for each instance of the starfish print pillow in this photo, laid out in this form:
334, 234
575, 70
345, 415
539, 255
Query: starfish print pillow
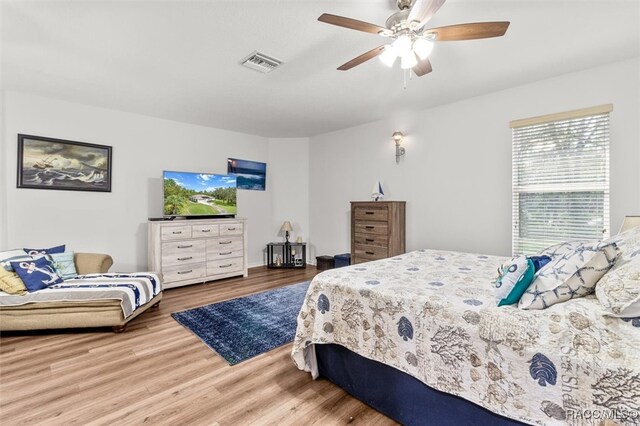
574, 270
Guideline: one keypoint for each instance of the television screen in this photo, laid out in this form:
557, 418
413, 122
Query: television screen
251, 174
199, 194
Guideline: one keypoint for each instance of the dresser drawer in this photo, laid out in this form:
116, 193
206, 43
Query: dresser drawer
205, 231
371, 252
372, 213
176, 232
371, 239
231, 229
222, 248
364, 227
225, 266
180, 252
183, 272
358, 259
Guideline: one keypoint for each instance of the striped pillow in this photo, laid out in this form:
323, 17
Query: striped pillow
6, 257
63, 264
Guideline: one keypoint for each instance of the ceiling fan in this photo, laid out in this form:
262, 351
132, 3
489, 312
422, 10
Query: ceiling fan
412, 43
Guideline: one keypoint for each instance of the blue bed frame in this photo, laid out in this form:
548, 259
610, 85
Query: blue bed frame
399, 395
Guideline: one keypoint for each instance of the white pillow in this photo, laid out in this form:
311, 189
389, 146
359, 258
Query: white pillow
619, 290
574, 270
628, 242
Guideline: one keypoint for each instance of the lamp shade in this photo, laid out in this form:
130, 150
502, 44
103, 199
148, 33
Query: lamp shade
286, 227
630, 222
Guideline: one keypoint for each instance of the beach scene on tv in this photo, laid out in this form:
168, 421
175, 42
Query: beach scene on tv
190, 194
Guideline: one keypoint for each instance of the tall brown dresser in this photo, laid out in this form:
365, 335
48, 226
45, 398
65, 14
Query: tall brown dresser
377, 230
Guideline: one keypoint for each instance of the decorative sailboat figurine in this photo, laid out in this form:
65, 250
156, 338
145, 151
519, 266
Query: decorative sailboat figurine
377, 194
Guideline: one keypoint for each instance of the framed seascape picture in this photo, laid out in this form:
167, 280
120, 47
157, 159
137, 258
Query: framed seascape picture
47, 163
250, 174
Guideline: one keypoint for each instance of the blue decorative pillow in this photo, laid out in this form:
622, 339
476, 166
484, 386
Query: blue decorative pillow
43, 251
539, 261
513, 280
36, 273
6, 257
63, 264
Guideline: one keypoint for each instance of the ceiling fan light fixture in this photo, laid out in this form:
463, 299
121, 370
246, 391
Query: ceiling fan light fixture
423, 47
388, 56
408, 60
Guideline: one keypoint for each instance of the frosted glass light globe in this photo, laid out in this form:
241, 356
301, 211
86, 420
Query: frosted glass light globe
422, 47
402, 45
388, 56
408, 60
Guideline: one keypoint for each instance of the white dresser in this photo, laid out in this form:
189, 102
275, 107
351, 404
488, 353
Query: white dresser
197, 250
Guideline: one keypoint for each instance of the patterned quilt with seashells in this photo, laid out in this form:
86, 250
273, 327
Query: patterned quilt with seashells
433, 315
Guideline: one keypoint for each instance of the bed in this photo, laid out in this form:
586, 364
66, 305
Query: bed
423, 326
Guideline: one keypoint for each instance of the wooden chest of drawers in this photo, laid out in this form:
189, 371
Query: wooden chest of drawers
377, 230
199, 250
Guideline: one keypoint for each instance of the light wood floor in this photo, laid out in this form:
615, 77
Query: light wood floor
157, 372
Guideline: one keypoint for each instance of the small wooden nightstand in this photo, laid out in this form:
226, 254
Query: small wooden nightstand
292, 255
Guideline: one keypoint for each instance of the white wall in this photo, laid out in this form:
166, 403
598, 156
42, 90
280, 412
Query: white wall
289, 184
3, 193
456, 175
116, 222
3, 185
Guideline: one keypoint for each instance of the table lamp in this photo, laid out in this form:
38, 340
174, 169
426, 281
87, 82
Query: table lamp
286, 227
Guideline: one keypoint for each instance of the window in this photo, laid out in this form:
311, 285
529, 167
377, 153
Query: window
560, 178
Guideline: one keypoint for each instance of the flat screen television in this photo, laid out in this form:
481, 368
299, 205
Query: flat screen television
199, 194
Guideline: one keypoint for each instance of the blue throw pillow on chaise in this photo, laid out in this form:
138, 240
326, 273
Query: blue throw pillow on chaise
43, 251
36, 273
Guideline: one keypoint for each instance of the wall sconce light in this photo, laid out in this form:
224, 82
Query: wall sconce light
397, 138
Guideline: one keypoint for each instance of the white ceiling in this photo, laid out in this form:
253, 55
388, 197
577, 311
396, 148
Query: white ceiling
179, 60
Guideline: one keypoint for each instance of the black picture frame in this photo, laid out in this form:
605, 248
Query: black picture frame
49, 163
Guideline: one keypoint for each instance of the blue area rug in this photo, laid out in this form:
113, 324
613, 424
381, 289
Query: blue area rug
240, 329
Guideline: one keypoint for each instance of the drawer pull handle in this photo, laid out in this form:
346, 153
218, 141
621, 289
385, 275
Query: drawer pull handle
185, 272
369, 252
185, 258
189, 246
368, 212
225, 242
369, 227
369, 240
226, 253
231, 229
177, 232
226, 266
206, 230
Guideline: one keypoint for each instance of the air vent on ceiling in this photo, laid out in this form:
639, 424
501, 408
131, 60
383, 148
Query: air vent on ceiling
261, 62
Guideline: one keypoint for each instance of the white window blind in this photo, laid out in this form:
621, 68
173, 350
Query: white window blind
560, 178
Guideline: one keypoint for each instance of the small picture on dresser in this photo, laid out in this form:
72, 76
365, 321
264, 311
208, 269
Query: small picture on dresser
252, 175
47, 163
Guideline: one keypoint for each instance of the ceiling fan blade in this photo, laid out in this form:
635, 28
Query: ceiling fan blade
470, 31
353, 24
423, 10
423, 67
362, 58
